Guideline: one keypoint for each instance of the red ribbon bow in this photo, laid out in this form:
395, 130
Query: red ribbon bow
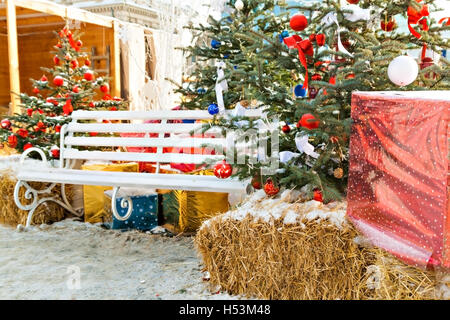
303, 47
418, 17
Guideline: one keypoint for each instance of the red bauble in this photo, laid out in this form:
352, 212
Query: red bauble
223, 170
58, 81
79, 43
12, 141
44, 78
57, 128
41, 125
68, 108
353, 1
318, 195
22, 132
298, 22
270, 189
320, 39
332, 80
55, 152
56, 60
389, 26
27, 146
316, 77
312, 37
106, 97
6, 124
76, 89
256, 182
29, 112
35, 90
306, 122
74, 64
89, 76
93, 134
104, 88
91, 104
113, 109
87, 62
286, 128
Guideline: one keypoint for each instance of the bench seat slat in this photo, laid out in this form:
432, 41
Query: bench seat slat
141, 157
143, 142
138, 127
135, 180
153, 115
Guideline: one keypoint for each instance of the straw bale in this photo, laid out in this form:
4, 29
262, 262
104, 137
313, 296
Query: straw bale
311, 259
47, 212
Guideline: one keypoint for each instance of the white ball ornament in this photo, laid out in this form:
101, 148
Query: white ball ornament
239, 5
403, 70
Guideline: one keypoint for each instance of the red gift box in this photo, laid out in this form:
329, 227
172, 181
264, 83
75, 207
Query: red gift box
150, 167
397, 188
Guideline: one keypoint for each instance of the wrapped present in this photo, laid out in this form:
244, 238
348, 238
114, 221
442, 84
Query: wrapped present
397, 188
184, 167
93, 195
196, 207
144, 215
170, 208
191, 208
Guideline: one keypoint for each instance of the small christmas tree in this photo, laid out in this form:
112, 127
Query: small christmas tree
66, 87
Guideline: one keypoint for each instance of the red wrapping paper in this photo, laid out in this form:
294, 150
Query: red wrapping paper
397, 191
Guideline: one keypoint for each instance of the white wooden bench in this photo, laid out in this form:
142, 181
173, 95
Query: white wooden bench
73, 135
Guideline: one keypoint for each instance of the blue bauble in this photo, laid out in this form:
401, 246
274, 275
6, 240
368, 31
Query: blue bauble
213, 109
280, 37
201, 91
299, 91
226, 56
285, 34
235, 67
215, 44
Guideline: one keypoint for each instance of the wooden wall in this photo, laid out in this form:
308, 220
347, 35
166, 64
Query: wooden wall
4, 73
35, 43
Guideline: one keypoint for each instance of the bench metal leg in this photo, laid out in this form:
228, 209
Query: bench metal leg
126, 202
33, 194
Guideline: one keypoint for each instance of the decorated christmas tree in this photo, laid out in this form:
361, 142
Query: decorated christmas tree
70, 85
301, 64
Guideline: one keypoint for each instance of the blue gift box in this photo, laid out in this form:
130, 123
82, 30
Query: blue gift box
144, 215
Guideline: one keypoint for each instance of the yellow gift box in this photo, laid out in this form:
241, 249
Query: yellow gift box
196, 207
93, 196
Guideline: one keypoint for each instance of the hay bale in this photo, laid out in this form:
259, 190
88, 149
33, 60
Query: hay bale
271, 249
48, 212
395, 280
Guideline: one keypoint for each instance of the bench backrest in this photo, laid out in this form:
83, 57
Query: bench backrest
130, 129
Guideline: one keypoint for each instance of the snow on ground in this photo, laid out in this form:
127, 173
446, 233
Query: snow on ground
42, 262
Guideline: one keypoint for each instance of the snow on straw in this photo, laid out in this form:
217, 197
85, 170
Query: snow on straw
266, 209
